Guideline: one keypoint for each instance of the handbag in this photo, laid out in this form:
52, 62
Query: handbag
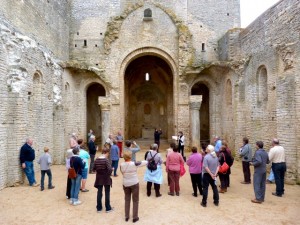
72, 172
224, 167
182, 169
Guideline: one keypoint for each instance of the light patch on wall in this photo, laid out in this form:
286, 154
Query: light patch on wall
147, 76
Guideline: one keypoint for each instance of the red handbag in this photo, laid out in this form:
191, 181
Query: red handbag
224, 167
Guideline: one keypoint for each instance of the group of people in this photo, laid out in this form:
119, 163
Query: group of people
204, 168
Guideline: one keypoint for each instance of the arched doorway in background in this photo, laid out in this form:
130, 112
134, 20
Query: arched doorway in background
148, 98
93, 112
201, 89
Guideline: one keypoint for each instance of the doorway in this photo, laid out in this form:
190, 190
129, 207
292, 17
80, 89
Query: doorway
93, 112
201, 89
148, 98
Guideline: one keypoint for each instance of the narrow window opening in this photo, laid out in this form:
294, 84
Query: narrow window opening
96, 45
203, 47
84, 43
147, 76
97, 64
75, 45
77, 33
100, 33
227, 14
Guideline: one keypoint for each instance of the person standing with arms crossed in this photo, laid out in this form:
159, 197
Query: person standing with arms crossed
27, 155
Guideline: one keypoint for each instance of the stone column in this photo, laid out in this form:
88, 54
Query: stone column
105, 118
195, 104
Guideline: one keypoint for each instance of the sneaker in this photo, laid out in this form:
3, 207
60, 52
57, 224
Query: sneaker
51, 187
99, 211
170, 193
111, 210
195, 195
71, 202
42, 189
216, 203
84, 190
77, 202
35, 185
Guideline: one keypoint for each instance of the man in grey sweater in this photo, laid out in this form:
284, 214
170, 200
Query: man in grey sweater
260, 160
45, 161
246, 154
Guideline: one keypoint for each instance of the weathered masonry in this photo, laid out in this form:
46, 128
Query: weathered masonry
133, 65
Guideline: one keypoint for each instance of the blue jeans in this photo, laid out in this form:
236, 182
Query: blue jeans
29, 171
49, 174
107, 197
75, 187
114, 164
279, 172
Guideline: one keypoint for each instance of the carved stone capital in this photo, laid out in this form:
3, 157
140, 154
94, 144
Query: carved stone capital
195, 102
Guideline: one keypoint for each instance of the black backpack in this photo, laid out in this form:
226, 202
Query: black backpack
151, 163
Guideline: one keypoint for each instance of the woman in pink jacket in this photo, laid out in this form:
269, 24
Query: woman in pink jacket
195, 167
173, 162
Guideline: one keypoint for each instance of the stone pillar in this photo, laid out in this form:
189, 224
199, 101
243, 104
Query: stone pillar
195, 104
105, 118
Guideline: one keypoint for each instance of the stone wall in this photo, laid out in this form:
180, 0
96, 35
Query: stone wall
31, 92
269, 108
47, 21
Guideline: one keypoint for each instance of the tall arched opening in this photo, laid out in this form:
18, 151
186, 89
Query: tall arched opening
148, 98
93, 113
201, 89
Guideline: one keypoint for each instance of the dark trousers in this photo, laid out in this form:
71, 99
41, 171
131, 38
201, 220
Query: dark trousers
197, 183
49, 174
246, 171
69, 185
181, 150
259, 184
114, 164
156, 188
207, 180
107, 197
279, 170
224, 180
92, 162
174, 181
134, 192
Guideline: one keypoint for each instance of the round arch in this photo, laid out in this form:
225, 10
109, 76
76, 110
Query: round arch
166, 58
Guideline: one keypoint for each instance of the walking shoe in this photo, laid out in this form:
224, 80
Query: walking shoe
85, 190
42, 189
244, 182
222, 190
216, 203
71, 202
52, 187
202, 204
275, 194
256, 201
111, 210
35, 185
158, 195
177, 193
268, 182
170, 193
195, 195
135, 220
99, 211
77, 203
126, 219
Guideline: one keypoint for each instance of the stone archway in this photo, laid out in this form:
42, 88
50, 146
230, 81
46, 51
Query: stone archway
148, 98
201, 89
93, 112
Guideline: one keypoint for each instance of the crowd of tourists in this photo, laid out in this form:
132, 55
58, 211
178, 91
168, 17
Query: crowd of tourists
205, 166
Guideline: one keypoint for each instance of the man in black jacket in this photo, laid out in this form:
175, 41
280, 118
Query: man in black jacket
92, 150
27, 156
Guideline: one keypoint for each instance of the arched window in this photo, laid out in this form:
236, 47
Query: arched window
148, 13
228, 92
262, 85
37, 89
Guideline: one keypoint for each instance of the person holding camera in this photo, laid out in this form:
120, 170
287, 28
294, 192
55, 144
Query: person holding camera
133, 147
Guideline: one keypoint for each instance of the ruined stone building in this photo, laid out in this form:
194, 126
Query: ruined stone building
133, 65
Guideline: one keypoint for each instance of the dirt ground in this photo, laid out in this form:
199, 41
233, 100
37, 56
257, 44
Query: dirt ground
29, 205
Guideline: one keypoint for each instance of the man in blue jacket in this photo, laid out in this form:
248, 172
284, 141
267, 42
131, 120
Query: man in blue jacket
27, 155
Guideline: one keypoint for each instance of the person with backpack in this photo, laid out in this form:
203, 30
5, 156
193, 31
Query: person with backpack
153, 172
